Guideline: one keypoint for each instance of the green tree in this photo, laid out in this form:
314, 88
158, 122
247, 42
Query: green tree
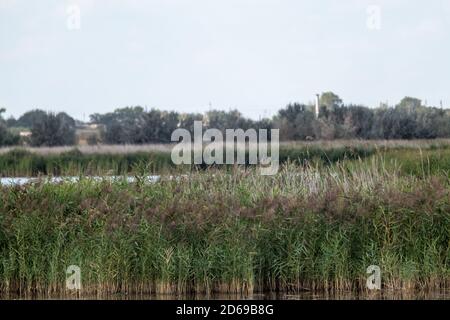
410, 103
28, 119
53, 130
7, 138
330, 100
296, 122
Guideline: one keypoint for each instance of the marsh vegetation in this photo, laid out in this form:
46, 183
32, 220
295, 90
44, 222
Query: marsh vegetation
315, 226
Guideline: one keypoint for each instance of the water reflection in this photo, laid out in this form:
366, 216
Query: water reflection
19, 181
378, 295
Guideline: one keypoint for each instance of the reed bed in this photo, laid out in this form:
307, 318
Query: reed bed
74, 162
308, 228
321, 144
22, 163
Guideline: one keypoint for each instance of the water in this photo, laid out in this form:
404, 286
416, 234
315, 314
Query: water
377, 295
19, 181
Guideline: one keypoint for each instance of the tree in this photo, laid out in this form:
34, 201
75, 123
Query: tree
28, 119
11, 122
296, 122
330, 100
186, 121
7, 138
407, 120
123, 126
223, 120
134, 125
410, 103
53, 130
169, 123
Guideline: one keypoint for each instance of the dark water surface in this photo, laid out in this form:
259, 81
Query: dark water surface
379, 295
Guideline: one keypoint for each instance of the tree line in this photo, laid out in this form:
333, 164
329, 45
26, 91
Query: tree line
409, 119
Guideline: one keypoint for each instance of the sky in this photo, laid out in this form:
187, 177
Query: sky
93, 56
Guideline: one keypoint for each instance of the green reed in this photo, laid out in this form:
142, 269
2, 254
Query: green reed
306, 228
21, 162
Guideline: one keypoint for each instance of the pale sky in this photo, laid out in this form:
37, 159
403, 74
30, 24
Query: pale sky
193, 55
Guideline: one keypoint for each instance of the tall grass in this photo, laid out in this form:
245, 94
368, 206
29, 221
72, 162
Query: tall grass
415, 157
21, 162
307, 228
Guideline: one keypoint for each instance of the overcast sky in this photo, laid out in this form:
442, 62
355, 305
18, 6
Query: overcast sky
192, 55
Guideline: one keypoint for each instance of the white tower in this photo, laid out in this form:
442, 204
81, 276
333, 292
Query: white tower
317, 106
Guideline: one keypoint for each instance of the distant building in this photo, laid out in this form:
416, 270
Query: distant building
25, 134
88, 134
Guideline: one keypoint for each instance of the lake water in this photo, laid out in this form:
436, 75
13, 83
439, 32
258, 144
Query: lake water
18, 181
